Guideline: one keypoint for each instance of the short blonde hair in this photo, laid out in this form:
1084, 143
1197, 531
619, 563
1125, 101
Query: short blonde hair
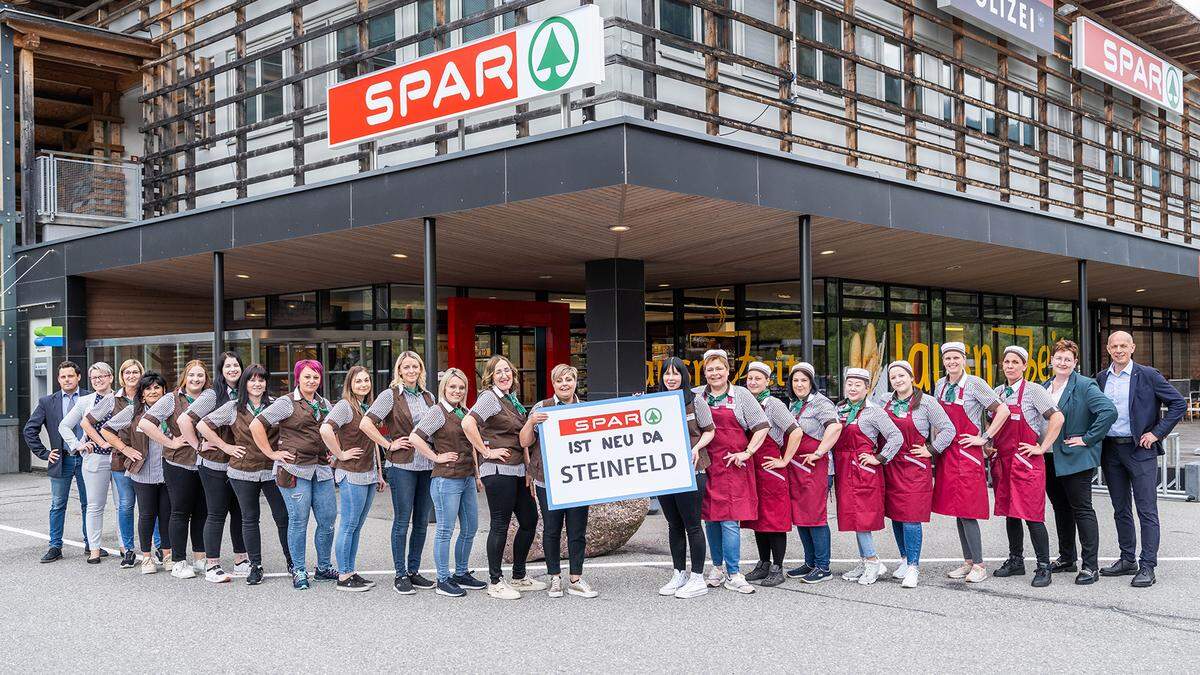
132, 362
399, 383
449, 373
562, 370
183, 373
490, 369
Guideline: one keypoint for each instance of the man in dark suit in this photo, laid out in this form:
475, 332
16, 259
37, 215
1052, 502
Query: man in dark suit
1131, 450
63, 464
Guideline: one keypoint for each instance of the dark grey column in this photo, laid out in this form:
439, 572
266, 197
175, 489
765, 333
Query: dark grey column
218, 308
806, 290
431, 325
1087, 360
616, 327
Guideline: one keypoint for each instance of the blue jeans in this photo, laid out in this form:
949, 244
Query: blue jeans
816, 546
453, 496
725, 544
60, 490
352, 514
320, 497
411, 501
866, 544
908, 540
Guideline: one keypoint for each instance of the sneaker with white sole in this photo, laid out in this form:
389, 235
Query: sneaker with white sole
910, 577
183, 570
960, 572
695, 587
872, 570
148, 565
502, 591
901, 570
556, 589
677, 582
581, 589
977, 574
737, 582
216, 575
241, 569
716, 576
527, 585
854, 573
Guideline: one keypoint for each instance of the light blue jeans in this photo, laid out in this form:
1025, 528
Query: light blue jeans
866, 544
451, 497
320, 498
725, 544
352, 514
60, 491
908, 540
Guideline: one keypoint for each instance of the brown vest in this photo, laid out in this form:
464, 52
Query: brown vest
694, 433
536, 468
450, 438
401, 423
137, 440
503, 430
118, 461
300, 434
350, 435
185, 455
254, 460
211, 452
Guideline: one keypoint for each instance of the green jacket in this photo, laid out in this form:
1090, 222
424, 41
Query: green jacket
1088, 413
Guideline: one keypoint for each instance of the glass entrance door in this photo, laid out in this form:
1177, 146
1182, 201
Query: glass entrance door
519, 345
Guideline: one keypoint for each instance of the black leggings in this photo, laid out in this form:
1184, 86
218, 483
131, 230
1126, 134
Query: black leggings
218, 497
152, 502
247, 496
771, 546
684, 531
576, 520
188, 510
507, 495
1037, 534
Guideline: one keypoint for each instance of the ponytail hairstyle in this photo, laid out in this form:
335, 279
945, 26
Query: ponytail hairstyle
255, 370
220, 385
685, 378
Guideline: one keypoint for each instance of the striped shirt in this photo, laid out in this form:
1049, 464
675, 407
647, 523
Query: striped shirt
875, 424
932, 422
152, 470
818, 413
204, 404
975, 394
281, 409
341, 415
83, 404
486, 406
224, 417
749, 413
163, 409
1037, 406
382, 409
782, 422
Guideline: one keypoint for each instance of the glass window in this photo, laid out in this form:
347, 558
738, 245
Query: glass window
759, 44
380, 31
264, 71
904, 300
858, 297
831, 34
426, 19
246, 313
676, 17
295, 309
1031, 310
501, 294
998, 307
962, 305
347, 306
806, 57
480, 29
773, 300
1060, 311
407, 302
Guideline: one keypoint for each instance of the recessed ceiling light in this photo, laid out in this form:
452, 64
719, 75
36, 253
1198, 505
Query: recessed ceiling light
1140, 290
664, 285
243, 276
1101, 299
1065, 281
724, 290
953, 267
491, 297
618, 228
545, 276
399, 255
783, 296
828, 252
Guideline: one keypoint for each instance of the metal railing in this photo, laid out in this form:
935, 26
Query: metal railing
88, 188
1170, 469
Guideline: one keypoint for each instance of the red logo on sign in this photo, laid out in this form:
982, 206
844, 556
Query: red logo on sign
440, 86
606, 422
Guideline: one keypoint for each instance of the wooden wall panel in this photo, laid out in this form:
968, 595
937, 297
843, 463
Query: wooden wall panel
121, 310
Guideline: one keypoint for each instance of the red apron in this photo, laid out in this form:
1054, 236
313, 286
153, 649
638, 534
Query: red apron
960, 479
1020, 481
729, 492
908, 497
774, 500
809, 485
859, 488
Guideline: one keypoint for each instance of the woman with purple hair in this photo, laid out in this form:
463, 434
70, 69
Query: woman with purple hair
302, 468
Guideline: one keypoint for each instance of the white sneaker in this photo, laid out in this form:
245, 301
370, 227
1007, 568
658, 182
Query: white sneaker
716, 576
502, 591
872, 569
695, 587
977, 574
556, 589
527, 585
148, 565
216, 575
855, 573
183, 570
901, 570
678, 580
581, 589
242, 569
910, 577
199, 565
737, 582
960, 572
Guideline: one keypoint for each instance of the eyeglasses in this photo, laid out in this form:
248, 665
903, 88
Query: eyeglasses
101, 376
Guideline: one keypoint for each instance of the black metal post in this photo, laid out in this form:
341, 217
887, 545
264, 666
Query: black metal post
218, 307
806, 289
431, 323
1087, 362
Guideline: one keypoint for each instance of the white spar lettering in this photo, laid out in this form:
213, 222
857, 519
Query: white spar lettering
1120, 60
491, 64
458, 87
503, 55
378, 100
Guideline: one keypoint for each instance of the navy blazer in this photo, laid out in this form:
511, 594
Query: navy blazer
1148, 392
48, 412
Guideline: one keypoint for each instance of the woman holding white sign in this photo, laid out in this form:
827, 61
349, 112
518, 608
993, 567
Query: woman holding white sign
730, 495
774, 497
565, 377
809, 475
869, 439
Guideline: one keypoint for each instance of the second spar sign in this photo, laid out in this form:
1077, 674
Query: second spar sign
616, 449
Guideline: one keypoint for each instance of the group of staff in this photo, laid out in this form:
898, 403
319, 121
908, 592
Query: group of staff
201, 453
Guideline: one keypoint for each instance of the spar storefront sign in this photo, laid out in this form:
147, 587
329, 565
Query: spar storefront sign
616, 449
1102, 53
1029, 22
550, 56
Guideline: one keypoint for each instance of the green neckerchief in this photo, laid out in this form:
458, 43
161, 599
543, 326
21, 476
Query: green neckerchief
190, 399
317, 408
713, 400
901, 406
162, 426
232, 391
762, 396
256, 409
512, 398
459, 411
851, 410
1008, 390
950, 393
412, 391
798, 406
363, 407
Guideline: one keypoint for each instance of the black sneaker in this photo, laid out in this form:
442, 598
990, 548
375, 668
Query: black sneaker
1063, 566
420, 582
300, 580
255, 577
1013, 567
128, 560
468, 581
93, 561
774, 577
1041, 576
327, 574
368, 582
104, 553
450, 589
53, 553
760, 571
353, 584
403, 586
816, 576
797, 572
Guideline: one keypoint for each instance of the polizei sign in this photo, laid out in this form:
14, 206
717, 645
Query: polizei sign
1102, 53
549, 56
1029, 22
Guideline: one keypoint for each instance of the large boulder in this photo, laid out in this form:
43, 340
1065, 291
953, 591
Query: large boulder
609, 527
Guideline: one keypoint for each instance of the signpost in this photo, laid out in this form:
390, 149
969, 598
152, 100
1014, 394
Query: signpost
548, 57
1101, 53
616, 449
1028, 22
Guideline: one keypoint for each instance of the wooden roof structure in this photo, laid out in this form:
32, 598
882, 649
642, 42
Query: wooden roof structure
1162, 25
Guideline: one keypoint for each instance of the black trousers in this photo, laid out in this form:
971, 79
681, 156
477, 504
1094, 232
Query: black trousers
1071, 498
508, 496
221, 502
684, 530
153, 501
576, 520
188, 510
1037, 534
771, 546
247, 493
1131, 470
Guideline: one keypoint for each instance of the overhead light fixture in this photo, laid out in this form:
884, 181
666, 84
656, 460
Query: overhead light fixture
784, 296
399, 255
953, 267
243, 276
545, 276
1140, 290
1065, 281
491, 297
618, 228
1101, 299
724, 290
828, 252
664, 285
